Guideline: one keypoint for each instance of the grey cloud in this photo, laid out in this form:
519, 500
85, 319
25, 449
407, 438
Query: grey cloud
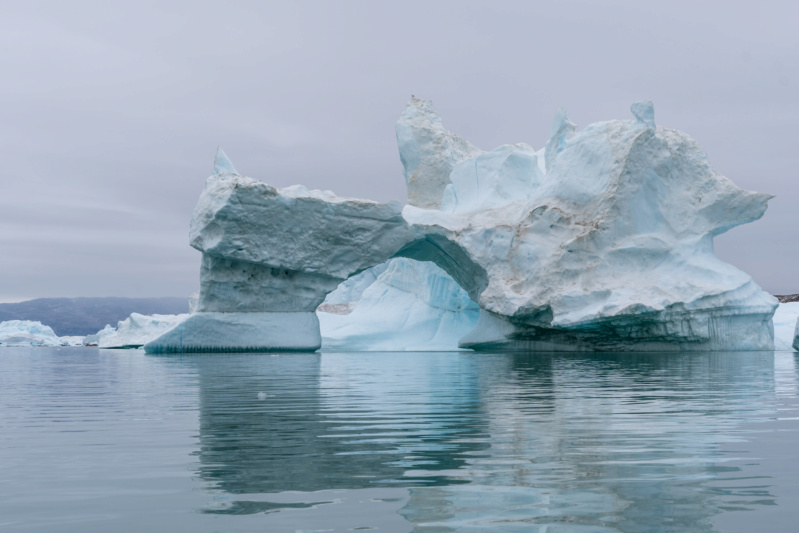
112, 111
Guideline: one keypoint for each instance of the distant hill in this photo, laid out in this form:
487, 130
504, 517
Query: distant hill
83, 316
787, 298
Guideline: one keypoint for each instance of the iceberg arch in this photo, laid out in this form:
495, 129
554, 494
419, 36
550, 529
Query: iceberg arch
601, 240
408, 305
451, 258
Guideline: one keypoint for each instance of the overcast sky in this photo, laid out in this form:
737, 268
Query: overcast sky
112, 111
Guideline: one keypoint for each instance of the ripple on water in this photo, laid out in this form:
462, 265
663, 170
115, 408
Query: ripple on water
405, 442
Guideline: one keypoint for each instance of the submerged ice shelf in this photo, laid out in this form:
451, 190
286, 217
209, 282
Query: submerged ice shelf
600, 240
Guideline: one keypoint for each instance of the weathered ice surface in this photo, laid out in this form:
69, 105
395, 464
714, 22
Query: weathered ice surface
27, 333
493, 179
137, 330
270, 250
410, 306
598, 241
611, 248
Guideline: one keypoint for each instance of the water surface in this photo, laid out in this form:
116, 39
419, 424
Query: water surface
108, 440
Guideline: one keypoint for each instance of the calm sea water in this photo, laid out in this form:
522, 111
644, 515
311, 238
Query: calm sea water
100, 440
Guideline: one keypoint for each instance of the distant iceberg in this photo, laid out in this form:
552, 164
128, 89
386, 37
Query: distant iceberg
94, 339
410, 306
72, 340
137, 330
27, 333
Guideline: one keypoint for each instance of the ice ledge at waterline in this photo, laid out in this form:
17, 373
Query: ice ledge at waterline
600, 240
241, 332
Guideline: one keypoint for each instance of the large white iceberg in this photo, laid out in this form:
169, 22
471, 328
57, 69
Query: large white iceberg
137, 330
611, 248
598, 241
27, 333
411, 306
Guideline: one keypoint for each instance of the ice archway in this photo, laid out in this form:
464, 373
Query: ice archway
599, 241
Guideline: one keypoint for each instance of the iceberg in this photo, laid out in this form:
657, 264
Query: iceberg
611, 248
795, 345
71, 340
94, 339
193, 300
410, 306
786, 321
262, 277
137, 330
15, 333
600, 240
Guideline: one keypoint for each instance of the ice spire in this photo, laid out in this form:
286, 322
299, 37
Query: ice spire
222, 163
644, 111
561, 128
428, 153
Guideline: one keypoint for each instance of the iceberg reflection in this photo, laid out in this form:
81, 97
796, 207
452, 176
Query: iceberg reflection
503, 442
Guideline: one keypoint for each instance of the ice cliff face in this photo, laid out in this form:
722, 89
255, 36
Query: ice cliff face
600, 240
